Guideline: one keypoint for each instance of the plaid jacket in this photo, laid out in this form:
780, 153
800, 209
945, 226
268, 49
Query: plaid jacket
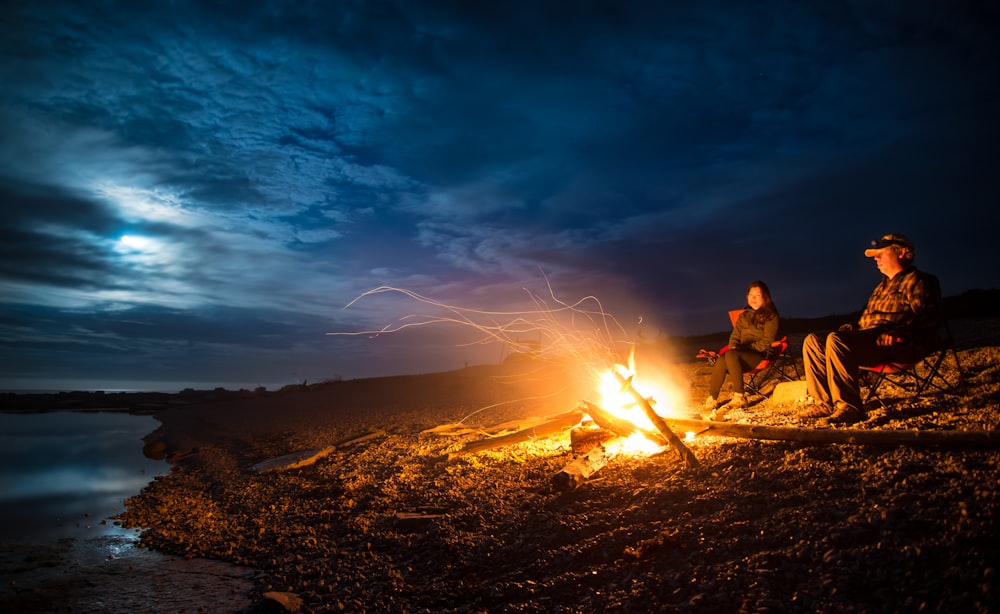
907, 306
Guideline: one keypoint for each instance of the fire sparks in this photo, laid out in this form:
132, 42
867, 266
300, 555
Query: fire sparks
591, 339
581, 330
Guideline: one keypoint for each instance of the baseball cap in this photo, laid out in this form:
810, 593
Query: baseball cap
886, 241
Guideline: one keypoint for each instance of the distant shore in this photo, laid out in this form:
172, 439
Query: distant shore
137, 402
974, 329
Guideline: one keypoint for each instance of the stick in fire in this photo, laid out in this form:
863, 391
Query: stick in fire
682, 450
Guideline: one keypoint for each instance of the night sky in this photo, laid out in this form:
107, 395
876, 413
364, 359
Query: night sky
192, 191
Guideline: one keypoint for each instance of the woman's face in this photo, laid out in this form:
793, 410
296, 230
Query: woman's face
755, 298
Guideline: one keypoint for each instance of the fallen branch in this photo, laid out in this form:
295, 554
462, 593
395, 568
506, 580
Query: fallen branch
682, 450
941, 438
546, 429
304, 458
459, 428
415, 521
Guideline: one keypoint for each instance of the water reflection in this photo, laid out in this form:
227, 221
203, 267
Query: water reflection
62, 474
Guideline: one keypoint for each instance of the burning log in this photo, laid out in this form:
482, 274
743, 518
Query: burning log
580, 470
682, 450
583, 438
619, 426
941, 438
546, 429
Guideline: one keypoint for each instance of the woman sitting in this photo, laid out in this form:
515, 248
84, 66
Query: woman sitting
753, 333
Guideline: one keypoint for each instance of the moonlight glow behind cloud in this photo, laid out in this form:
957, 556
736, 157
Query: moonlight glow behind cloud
192, 191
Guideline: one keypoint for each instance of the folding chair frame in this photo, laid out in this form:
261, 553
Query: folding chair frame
920, 377
775, 366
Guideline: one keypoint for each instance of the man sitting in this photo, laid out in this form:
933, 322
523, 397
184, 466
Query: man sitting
898, 324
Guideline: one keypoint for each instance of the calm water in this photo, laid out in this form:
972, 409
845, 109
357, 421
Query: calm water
63, 474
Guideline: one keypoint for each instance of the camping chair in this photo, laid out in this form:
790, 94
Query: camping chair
775, 365
924, 374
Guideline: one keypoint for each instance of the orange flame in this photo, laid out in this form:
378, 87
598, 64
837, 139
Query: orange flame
663, 395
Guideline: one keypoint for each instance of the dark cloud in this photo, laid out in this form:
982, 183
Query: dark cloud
47, 238
189, 184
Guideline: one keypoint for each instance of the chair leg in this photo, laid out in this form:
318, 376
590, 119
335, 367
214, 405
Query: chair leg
925, 376
962, 387
874, 380
932, 372
788, 362
937, 380
776, 370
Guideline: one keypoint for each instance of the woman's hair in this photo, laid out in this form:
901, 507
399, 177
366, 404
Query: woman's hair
768, 310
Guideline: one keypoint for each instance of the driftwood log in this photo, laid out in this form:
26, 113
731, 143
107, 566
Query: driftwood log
682, 450
551, 427
411, 522
305, 458
941, 438
579, 470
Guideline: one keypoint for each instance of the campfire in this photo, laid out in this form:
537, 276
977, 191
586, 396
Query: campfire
627, 415
624, 418
624, 421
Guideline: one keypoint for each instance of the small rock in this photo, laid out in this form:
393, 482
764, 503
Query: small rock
786, 392
289, 601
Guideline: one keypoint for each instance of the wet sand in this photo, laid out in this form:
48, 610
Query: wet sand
112, 574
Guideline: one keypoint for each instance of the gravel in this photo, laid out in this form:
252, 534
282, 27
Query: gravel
758, 526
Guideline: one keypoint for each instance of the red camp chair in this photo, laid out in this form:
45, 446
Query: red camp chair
775, 366
927, 375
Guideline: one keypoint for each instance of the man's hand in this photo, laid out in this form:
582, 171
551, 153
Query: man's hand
885, 340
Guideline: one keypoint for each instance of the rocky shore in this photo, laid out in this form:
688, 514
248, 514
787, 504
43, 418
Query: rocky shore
400, 523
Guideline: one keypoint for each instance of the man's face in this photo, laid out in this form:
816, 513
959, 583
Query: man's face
888, 262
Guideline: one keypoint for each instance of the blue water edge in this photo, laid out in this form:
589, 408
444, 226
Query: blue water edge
64, 474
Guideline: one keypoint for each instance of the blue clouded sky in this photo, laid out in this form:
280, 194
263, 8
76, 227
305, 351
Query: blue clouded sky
193, 191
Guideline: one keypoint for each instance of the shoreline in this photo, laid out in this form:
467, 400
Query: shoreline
341, 534
78, 557
329, 532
